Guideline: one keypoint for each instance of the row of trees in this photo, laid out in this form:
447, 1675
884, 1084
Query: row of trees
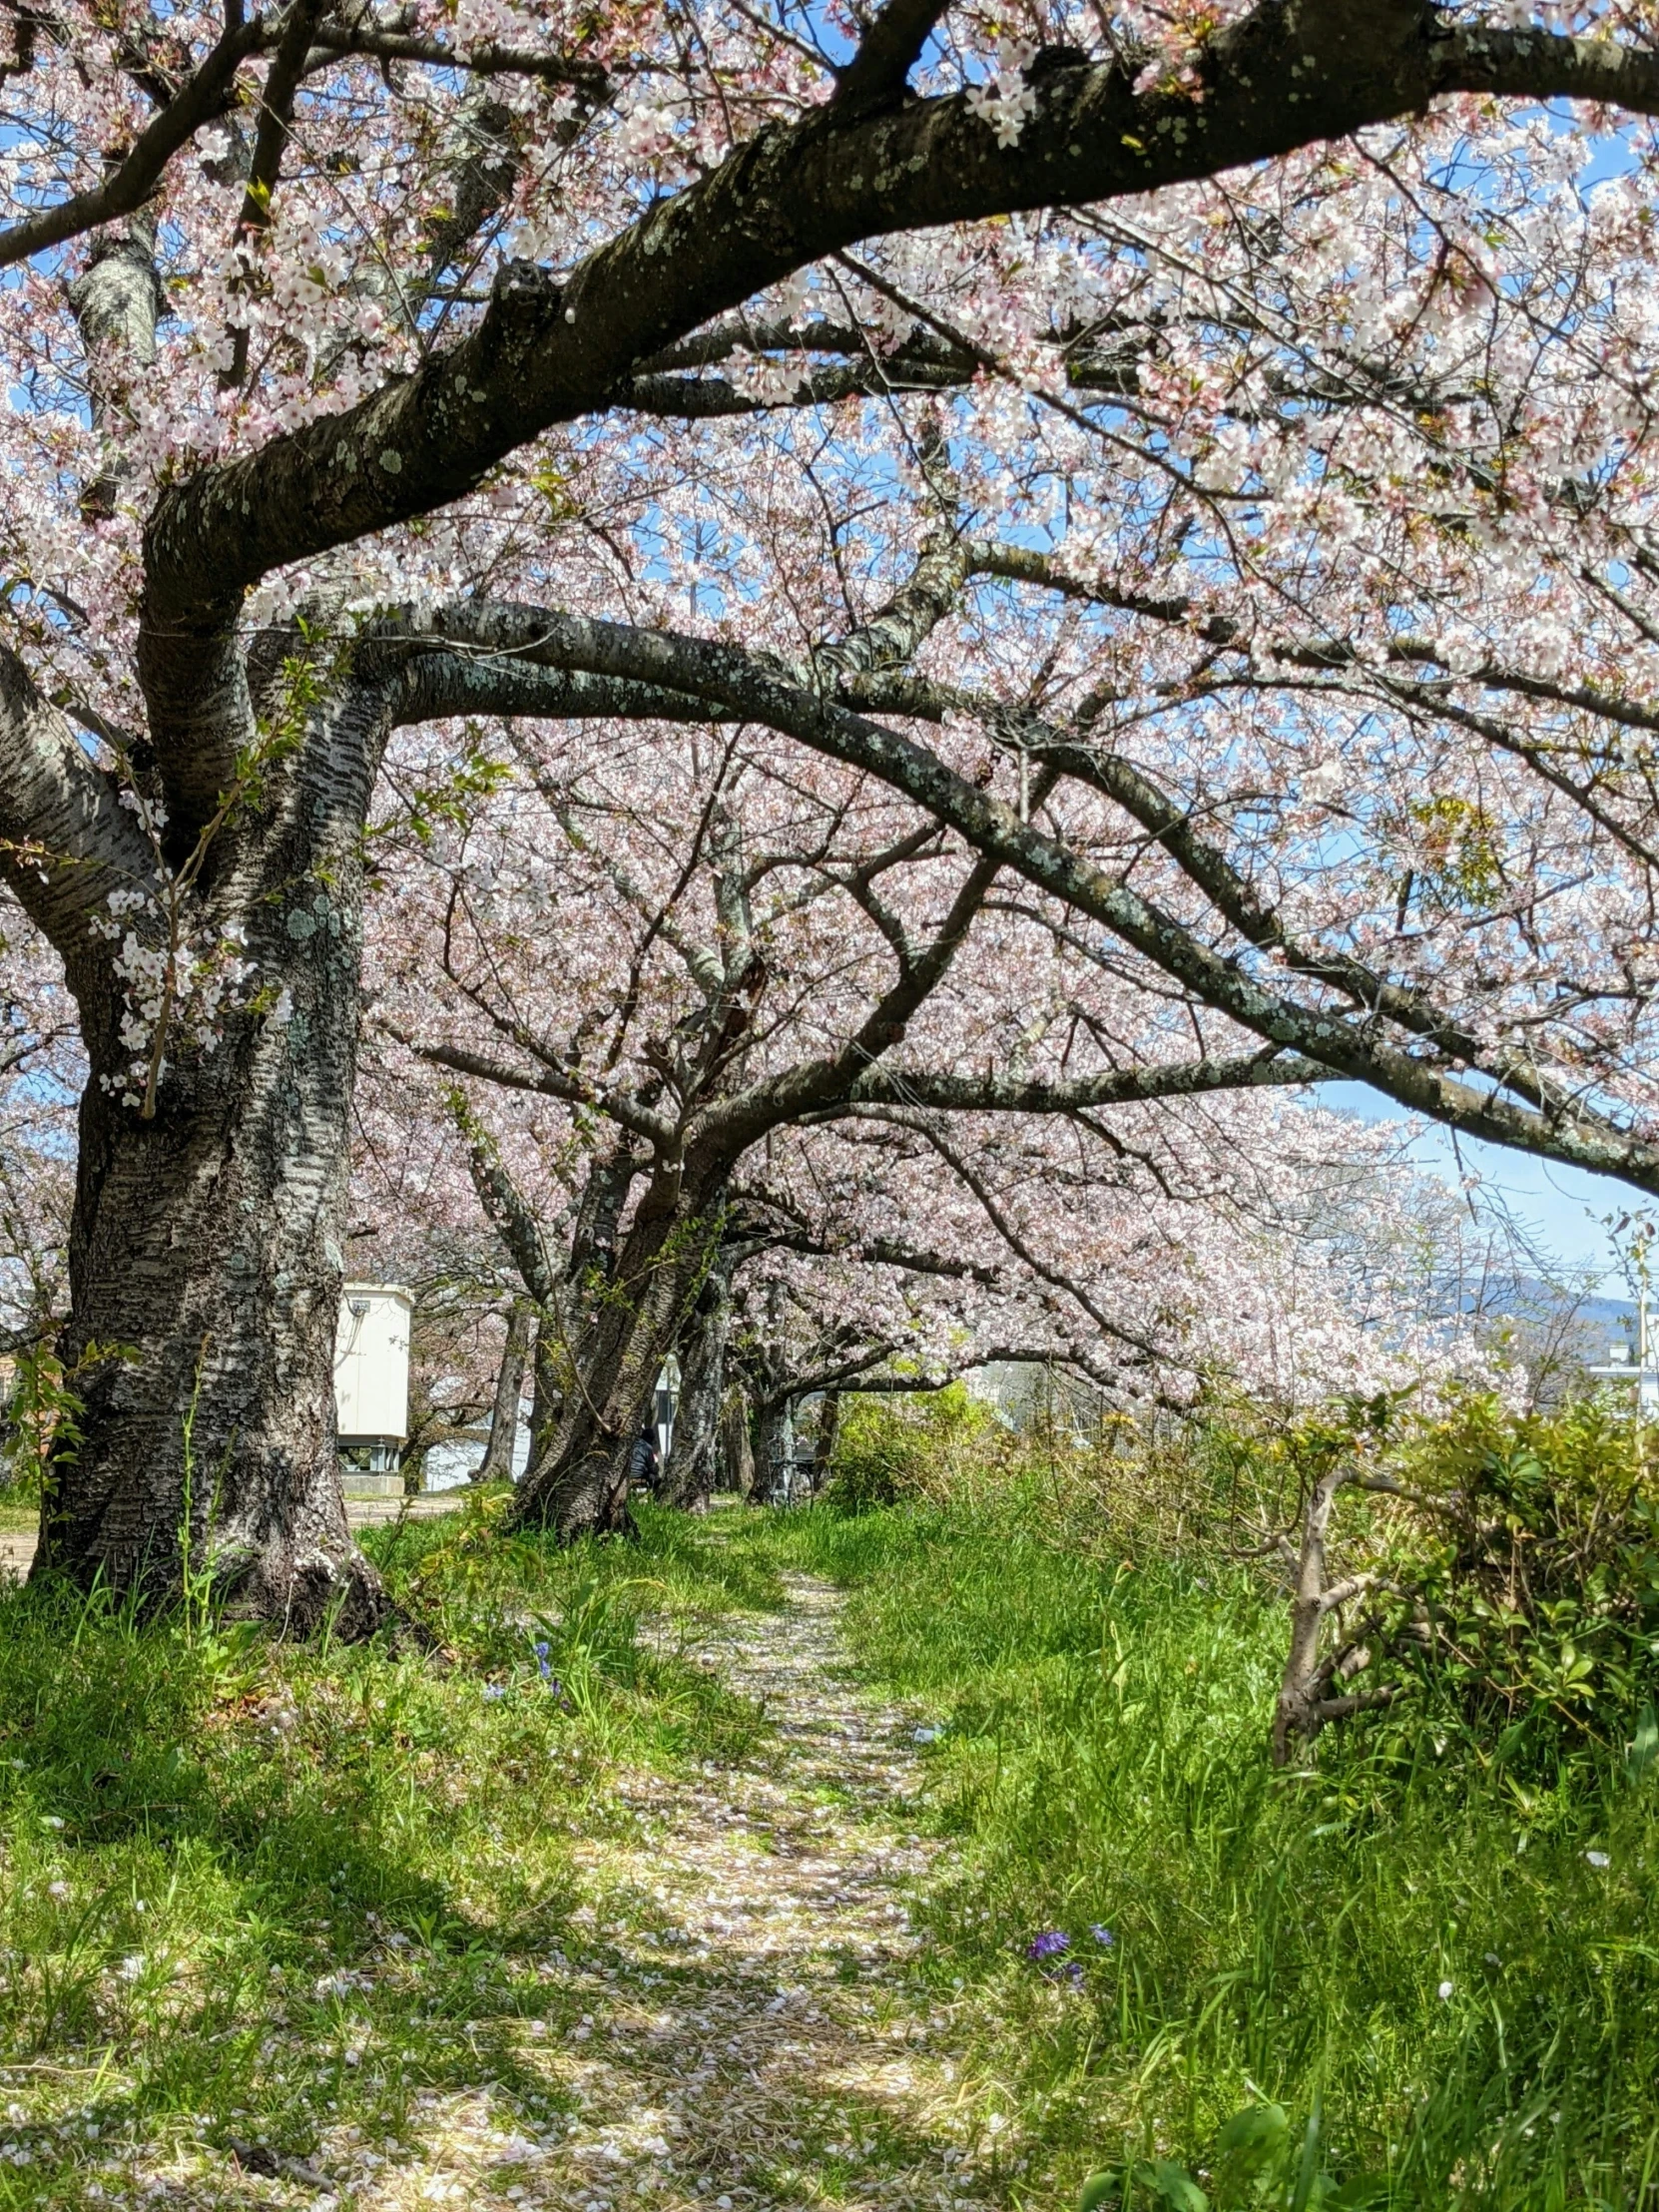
794, 595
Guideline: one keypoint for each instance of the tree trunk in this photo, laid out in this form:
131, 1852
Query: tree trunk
829, 1429
498, 1462
566, 1298
205, 1281
1296, 1718
579, 1485
736, 1453
774, 1451
204, 1262
692, 1463
547, 1397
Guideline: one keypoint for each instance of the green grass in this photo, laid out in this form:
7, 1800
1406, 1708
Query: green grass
254, 1894
259, 1893
1472, 1999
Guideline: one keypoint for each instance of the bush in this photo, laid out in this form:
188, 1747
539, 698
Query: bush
1537, 1563
892, 1449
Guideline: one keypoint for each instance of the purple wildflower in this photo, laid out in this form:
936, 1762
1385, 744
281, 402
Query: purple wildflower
542, 1665
1049, 1944
1072, 1971
1103, 1936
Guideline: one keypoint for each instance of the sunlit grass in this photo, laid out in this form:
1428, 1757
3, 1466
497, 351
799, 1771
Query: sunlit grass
254, 1896
259, 1901
1466, 1982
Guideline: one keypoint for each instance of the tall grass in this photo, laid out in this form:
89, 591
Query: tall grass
1464, 1979
256, 1895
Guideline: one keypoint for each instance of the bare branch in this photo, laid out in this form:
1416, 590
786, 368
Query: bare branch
332, 40
874, 77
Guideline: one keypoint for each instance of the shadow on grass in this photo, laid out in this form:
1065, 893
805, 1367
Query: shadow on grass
256, 1894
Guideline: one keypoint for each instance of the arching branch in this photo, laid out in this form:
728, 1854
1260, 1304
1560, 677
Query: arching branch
1560, 1127
547, 351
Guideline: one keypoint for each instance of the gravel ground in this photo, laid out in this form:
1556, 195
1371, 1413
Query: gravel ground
753, 2032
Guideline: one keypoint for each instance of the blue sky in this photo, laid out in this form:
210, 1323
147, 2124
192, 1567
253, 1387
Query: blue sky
1566, 1210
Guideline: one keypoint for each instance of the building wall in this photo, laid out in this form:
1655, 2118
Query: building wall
372, 1362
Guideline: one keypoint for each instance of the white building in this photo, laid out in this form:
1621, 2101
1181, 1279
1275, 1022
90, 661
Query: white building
371, 1379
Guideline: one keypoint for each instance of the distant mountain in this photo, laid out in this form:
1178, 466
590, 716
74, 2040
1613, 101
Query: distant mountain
1612, 1310
1555, 1333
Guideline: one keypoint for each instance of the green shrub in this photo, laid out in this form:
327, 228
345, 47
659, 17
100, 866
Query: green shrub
1537, 1563
889, 1448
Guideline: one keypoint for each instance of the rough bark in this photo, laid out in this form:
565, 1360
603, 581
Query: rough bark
498, 1462
205, 1270
737, 1451
774, 1451
694, 1462
829, 1430
547, 1394
579, 1485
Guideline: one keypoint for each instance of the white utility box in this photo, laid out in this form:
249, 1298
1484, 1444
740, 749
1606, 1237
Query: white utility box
371, 1379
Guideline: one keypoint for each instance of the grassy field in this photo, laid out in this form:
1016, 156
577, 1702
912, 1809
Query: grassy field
209, 1840
1463, 1982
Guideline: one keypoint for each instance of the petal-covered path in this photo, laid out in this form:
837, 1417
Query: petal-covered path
753, 2031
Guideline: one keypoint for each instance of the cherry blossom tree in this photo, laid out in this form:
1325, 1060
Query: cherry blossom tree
884, 1212
686, 949
40, 1076
334, 332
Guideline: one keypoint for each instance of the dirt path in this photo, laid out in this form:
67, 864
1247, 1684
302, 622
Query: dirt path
751, 2032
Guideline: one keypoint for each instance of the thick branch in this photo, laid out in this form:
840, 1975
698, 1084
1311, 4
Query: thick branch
509, 1212
1203, 863
428, 685
545, 352
890, 48
548, 1082
65, 840
1001, 1094
281, 85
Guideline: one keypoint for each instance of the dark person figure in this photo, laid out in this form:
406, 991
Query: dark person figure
642, 1462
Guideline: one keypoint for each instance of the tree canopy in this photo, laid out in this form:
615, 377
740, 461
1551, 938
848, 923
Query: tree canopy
1136, 522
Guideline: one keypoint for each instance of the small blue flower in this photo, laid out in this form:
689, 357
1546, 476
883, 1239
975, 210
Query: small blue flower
494, 1690
1072, 1971
1049, 1944
1103, 1936
542, 1666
